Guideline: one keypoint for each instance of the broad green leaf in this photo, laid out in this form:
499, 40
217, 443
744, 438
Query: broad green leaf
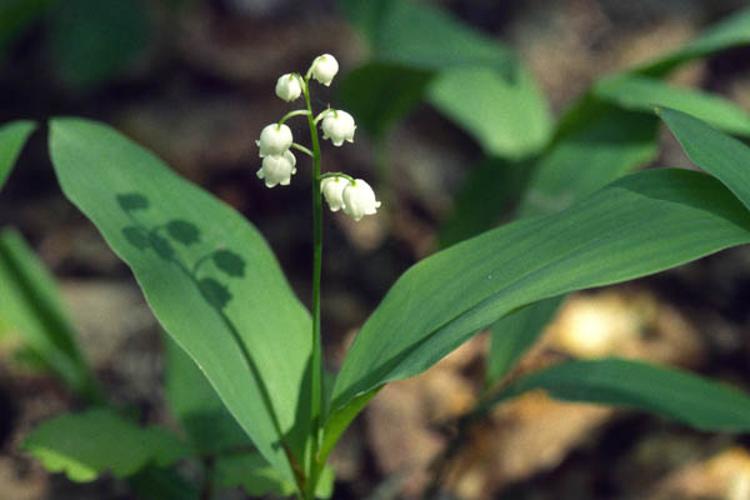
249, 335
643, 94
477, 82
508, 117
675, 394
210, 427
589, 151
256, 478
717, 153
731, 32
596, 144
515, 334
638, 225
422, 36
31, 306
86, 445
381, 94
698, 140
94, 40
13, 136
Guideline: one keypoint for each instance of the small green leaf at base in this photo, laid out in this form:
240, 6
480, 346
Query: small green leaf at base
86, 445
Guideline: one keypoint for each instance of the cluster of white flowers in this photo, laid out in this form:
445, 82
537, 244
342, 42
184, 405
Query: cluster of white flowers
355, 196
278, 161
342, 192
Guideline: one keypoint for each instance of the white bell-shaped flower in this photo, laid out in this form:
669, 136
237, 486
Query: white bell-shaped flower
333, 191
274, 140
288, 87
338, 126
359, 199
278, 169
324, 68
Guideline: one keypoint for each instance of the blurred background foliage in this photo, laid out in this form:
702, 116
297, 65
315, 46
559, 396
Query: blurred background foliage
471, 113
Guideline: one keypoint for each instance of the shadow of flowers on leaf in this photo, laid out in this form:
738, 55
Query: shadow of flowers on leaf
214, 292
132, 201
184, 232
137, 237
161, 239
229, 262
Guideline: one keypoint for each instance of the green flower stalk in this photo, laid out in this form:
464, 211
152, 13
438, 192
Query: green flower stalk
353, 196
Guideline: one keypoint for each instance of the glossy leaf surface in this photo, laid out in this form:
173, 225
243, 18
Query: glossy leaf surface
672, 393
636, 226
249, 335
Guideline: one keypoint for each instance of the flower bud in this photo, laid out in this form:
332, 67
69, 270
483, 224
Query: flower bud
288, 87
338, 126
278, 169
324, 68
359, 199
333, 190
274, 140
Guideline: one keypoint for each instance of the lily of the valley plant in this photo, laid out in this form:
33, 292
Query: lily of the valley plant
218, 291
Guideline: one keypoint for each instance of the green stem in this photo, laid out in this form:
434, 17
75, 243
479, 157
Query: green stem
303, 149
337, 174
316, 364
296, 112
323, 114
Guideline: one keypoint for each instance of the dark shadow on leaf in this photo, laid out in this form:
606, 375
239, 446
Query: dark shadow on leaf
159, 238
161, 246
230, 263
137, 236
183, 232
214, 292
147, 237
132, 201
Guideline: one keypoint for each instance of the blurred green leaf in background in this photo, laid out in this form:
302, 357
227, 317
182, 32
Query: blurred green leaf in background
84, 445
13, 136
30, 306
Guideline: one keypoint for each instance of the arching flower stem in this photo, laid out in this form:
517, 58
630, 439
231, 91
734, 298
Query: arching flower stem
302, 149
292, 114
337, 174
323, 114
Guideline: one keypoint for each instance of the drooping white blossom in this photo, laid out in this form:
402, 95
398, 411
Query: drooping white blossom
274, 140
278, 169
333, 190
338, 126
288, 87
359, 199
324, 68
